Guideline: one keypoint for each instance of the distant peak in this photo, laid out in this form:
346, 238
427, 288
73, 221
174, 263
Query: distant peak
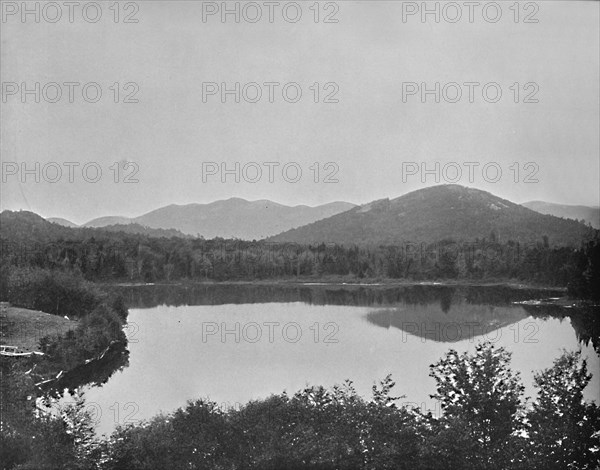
440, 189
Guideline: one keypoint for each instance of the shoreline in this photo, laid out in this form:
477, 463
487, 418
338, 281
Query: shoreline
24, 328
368, 283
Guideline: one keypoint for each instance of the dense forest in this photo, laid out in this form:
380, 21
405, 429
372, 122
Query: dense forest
116, 256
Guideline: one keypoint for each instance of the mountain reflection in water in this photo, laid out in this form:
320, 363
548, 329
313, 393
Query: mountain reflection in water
376, 331
450, 326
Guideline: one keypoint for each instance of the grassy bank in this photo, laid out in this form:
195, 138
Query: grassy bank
24, 328
35, 303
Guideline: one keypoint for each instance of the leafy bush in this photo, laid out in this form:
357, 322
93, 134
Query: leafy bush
93, 334
564, 430
485, 426
480, 397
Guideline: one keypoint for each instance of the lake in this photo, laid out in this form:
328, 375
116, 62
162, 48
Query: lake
234, 343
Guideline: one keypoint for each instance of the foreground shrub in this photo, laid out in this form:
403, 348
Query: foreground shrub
564, 430
51, 291
485, 426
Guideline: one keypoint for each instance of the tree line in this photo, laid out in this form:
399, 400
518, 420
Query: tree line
137, 258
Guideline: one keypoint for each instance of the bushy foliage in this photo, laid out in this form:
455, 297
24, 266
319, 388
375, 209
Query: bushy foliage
100, 314
31, 439
481, 399
485, 425
57, 292
63, 440
316, 428
36, 437
564, 430
93, 334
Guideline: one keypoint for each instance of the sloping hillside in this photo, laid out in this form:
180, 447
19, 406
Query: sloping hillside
109, 220
437, 213
588, 214
28, 227
61, 221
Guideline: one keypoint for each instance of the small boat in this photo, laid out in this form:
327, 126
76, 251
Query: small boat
13, 351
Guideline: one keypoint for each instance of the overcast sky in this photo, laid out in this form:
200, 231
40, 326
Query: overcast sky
370, 135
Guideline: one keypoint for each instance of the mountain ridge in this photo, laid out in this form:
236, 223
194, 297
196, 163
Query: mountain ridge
63, 222
590, 214
228, 218
27, 223
437, 213
428, 214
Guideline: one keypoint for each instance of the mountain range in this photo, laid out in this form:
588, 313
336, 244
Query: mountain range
427, 215
27, 227
231, 218
588, 214
437, 213
432, 323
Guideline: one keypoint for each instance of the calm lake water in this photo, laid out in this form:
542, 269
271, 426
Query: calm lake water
236, 343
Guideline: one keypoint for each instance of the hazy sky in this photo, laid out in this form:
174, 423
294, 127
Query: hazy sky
370, 135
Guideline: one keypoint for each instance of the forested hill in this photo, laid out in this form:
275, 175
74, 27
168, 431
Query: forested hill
28, 227
144, 230
438, 213
122, 224
28, 241
61, 221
